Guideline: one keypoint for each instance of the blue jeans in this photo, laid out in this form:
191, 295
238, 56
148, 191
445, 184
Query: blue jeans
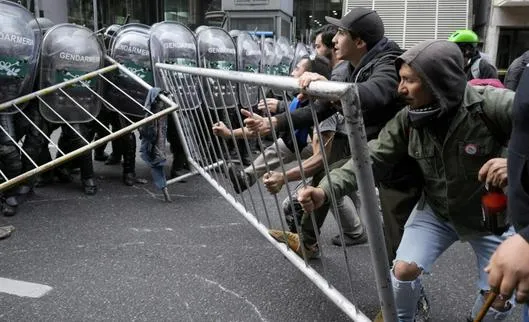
425, 238
525, 313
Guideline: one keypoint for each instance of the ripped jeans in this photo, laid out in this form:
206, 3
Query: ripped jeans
425, 238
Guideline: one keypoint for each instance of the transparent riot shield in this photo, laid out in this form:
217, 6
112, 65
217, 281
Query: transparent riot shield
216, 50
174, 43
267, 48
130, 47
19, 52
249, 59
70, 51
284, 56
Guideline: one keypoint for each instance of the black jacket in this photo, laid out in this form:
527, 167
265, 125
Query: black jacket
512, 78
377, 82
518, 159
486, 69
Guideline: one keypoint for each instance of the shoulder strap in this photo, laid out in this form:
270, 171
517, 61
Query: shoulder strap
474, 69
496, 132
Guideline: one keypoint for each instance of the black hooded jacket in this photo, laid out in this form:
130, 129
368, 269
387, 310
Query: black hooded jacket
377, 82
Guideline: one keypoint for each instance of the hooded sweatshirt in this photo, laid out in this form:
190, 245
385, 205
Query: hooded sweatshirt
445, 78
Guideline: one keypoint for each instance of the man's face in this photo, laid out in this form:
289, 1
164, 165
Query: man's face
412, 88
300, 68
347, 48
321, 49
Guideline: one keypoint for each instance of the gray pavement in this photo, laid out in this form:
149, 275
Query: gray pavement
125, 255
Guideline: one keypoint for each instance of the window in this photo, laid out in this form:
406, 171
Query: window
511, 44
177, 10
285, 28
253, 24
246, 2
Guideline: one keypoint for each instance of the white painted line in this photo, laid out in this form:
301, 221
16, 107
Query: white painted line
23, 289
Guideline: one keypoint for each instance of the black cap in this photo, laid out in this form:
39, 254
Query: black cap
366, 23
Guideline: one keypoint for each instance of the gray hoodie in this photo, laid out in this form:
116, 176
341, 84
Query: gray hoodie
440, 65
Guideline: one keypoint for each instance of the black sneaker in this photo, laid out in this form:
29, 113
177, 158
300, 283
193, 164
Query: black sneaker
90, 187
292, 213
8, 210
349, 239
240, 180
129, 178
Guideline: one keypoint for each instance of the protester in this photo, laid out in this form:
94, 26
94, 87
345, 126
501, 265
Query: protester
444, 130
475, 65
360, 41
333, 136
284, 149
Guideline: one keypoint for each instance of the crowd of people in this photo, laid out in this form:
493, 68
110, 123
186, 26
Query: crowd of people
443, 132
438, 121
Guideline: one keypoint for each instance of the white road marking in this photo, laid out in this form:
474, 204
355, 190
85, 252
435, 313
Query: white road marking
224, 289
23, 289
150, 230
220, 226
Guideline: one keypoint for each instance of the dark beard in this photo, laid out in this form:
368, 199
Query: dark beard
401, 100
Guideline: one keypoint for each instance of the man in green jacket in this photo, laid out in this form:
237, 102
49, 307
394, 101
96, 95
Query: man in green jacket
451, 129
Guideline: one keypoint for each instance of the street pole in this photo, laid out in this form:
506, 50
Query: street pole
37, 9
94, 4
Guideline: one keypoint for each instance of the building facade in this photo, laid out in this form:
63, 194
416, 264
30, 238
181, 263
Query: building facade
294, 19
408, 22
504, 27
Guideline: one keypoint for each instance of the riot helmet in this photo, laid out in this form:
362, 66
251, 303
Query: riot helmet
20, 40
70, 51
216, 49
174, 43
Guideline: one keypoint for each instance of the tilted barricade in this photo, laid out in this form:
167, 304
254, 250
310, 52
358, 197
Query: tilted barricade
216, 163
54, 98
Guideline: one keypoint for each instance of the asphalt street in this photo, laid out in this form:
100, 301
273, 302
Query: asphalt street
125, 255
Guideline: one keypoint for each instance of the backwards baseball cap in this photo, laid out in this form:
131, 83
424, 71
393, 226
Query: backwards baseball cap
366, 23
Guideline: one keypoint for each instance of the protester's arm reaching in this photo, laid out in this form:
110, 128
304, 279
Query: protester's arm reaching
275, 180
388, 149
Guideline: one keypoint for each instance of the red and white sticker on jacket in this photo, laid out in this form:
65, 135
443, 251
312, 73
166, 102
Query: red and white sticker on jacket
471, 149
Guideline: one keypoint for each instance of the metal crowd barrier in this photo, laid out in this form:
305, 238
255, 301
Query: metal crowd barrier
202, 95
62, 89
198, 99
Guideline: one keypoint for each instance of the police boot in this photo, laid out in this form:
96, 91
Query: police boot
115, 156
44, 179
9, 206
89, 186
129, 178
100, 154
129, 175
63, 175
112, 159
